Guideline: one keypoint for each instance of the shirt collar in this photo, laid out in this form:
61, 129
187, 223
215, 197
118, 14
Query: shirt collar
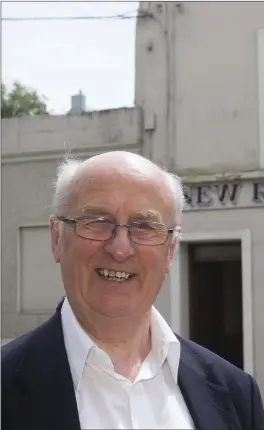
164, 339
78, 344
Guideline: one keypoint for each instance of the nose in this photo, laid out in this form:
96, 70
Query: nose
120, 246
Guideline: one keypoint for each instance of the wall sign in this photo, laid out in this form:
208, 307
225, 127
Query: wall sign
224, 195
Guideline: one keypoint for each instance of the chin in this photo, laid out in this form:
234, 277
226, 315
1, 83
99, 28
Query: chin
117, 308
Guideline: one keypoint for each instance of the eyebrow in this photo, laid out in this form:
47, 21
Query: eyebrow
150, 215
93, 211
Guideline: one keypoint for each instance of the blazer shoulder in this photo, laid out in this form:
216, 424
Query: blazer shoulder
12, 352
207, 358
217, 369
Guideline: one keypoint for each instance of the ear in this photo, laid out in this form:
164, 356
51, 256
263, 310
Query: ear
172, 248
55, 238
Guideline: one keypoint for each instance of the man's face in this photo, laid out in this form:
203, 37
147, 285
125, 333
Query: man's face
122, 199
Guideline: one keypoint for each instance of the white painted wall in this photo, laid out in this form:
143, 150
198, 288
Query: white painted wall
197, 71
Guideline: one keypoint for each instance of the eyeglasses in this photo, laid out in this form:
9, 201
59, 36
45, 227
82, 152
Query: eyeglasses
101, 229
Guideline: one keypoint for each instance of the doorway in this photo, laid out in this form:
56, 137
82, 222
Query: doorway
215, 298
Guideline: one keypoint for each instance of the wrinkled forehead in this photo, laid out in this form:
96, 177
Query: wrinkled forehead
107, 186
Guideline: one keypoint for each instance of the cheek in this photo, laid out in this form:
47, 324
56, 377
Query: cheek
79, 252
77, 265
155, 261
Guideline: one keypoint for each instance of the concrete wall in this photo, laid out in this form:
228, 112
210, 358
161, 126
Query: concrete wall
31, 150
47, 137
197, 73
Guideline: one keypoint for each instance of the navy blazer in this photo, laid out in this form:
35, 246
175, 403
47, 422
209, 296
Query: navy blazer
38, 392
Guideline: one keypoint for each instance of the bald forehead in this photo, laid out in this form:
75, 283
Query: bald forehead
127, 165
121, 169
120, 161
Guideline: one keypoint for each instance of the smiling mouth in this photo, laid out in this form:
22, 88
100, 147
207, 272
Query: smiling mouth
112, 275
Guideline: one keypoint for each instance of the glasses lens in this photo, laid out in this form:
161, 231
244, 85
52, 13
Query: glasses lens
148, 233
96, 230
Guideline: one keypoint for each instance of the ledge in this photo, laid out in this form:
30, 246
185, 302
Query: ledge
50, 136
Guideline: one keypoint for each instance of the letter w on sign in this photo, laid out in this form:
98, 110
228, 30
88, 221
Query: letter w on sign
227, 193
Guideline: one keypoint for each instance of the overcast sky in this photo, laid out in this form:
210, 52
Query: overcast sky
59, 58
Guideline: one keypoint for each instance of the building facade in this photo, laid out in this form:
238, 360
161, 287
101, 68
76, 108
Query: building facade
199, 98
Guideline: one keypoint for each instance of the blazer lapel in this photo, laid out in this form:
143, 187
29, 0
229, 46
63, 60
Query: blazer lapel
209, 404
45, 378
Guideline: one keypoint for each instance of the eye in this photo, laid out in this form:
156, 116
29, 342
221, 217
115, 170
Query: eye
84, 224
144, 225
93, 223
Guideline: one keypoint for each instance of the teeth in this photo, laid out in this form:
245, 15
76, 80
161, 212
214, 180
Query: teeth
116, 276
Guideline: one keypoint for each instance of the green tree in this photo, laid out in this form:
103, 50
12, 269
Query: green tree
21, 101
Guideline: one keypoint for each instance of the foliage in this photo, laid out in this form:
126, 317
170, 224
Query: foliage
21, 101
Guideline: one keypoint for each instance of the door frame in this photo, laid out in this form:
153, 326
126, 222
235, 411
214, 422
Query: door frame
179, 286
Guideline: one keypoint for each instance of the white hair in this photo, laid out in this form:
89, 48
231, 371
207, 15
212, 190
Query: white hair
66, 176
69, 170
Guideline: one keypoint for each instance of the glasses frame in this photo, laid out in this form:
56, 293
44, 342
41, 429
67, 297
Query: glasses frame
73, 222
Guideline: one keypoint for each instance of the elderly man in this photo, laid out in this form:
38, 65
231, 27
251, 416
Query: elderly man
107, 359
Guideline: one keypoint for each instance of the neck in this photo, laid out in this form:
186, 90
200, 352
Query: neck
127, 340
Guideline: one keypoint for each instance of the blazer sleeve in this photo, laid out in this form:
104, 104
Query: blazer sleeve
257, 411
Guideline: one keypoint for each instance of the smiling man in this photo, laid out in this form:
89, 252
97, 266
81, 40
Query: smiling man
107, 359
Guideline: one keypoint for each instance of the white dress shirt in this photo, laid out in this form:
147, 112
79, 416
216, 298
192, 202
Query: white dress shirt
107, 400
